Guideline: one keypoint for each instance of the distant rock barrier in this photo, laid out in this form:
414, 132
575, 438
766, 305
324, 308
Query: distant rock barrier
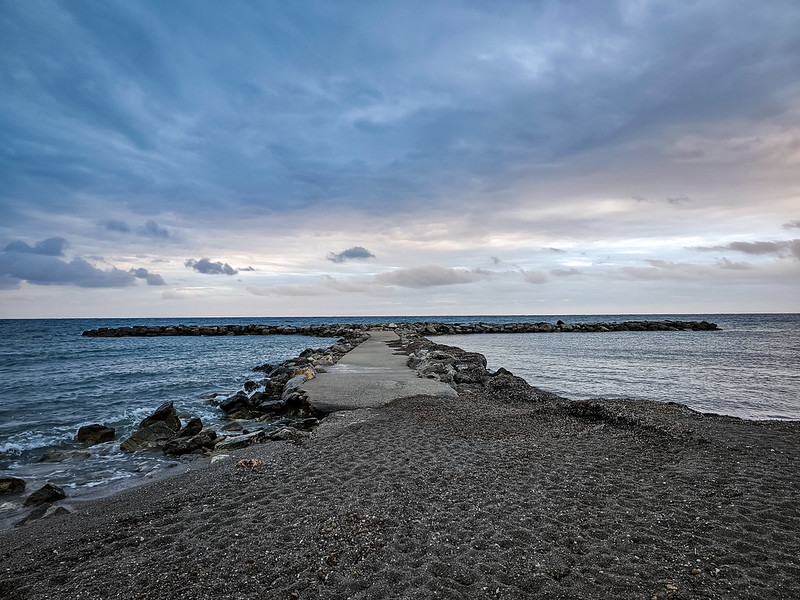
559, 327
333, 331
426, 328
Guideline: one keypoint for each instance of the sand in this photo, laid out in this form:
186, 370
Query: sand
505, 493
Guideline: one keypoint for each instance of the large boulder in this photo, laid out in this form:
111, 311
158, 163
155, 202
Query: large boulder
241, 441
63, 455
156, 429
237, 404
47, 494
95, 434
202, 442
148, 437
11, 485
42, 512
293, 385
191, 429
166, 414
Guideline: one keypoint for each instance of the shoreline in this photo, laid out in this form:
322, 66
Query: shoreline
503, 491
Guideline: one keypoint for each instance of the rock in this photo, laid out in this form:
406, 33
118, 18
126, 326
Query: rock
286, 433
307, 371
241, 441
61, 456
191, 429
293, 385
11, 485
205, 440
148, 437
249, 386
237, 403
42, 512
95, 434
166, 414
273, 406
233, 427
46, 494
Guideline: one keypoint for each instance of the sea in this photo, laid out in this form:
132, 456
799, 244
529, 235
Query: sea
54, 380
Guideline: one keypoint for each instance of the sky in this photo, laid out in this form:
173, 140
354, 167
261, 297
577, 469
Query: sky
198, 158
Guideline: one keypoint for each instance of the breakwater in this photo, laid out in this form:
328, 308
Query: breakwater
423, 328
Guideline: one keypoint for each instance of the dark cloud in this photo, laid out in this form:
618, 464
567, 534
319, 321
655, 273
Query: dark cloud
430, 276
53, 246
783, 248
151, 229
119, 226
792, 224
205, 266
39, 269
354, 253
290, 117
151, 278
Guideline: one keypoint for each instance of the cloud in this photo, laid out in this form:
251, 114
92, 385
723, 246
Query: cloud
53, 246
151, 278
288, 290
565, 272
205, 266
782, 249
679, 200
354, 253
118, 226
430, 276
151, 229
660, 270
792, 224
39, 269
536, 277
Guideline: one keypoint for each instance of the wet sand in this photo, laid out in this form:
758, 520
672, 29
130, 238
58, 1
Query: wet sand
501, 492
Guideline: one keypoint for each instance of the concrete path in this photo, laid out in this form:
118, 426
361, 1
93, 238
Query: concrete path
369, 376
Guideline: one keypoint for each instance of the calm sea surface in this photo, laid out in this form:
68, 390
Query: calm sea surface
55, 381
751, 369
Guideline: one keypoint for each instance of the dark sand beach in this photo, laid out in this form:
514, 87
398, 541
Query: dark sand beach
501, 492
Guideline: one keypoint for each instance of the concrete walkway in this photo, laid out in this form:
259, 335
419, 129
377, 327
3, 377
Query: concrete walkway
369, 376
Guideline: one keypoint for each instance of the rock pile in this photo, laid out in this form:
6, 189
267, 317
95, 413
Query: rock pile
333, 331
280, 393
278, 400
424, 328
558, 327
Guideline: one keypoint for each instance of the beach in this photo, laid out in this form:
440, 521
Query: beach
504, 491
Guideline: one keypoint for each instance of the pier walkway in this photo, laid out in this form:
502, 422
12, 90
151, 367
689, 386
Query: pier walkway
369, 376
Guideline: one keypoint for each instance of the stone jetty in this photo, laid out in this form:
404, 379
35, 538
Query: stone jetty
423, 328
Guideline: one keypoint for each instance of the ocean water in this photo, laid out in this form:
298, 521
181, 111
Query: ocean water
751, 369
55, 381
